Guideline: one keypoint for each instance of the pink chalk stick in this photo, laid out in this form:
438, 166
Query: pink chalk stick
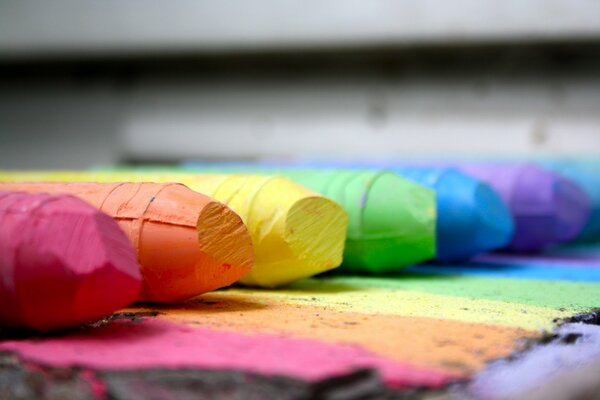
62, 263
155, 343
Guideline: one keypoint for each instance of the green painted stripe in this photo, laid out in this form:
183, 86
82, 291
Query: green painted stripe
576, 296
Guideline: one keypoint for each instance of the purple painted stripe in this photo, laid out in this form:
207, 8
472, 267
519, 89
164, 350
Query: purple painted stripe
538, 260
576, 345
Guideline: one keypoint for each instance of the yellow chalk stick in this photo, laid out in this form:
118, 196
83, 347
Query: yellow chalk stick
296, 233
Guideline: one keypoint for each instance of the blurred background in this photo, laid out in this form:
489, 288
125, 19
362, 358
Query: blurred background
84, 83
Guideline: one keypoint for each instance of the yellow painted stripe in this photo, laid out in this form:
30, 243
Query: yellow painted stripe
415, 304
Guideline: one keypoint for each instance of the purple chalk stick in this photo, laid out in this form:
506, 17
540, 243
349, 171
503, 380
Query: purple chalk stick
548, 208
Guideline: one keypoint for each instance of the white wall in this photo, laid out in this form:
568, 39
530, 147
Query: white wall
94, 82
362, 113
33, 28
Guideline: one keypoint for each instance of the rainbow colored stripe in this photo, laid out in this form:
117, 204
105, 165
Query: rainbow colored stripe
425, 327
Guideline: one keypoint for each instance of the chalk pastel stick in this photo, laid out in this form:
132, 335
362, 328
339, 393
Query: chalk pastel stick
391, 219
187, 243
63, 263
296, 233
472, 218
587, 176
548, 208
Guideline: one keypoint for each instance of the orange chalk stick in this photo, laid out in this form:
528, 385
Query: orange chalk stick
186, 243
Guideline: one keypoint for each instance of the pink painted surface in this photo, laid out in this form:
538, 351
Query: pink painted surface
152, 343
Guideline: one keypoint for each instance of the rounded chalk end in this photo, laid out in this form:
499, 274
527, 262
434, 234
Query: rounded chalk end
573, 208
587, 176
397, 224
316, 232
494, 222
190, 244
297, 233
223, 236
548, 209
70, 263
472, 218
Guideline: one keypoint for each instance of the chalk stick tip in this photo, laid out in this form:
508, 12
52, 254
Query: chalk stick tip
494, 223
554, 209
193, 244
315, 229
73, 264
473, 217
224, 236
300, 233
398, 225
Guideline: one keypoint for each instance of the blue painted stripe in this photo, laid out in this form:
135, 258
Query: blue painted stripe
514, 271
